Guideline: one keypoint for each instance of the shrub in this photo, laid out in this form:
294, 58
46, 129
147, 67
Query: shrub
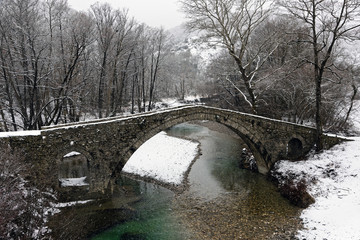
22, 206
296, 192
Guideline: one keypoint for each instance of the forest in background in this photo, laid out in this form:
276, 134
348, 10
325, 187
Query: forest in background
58, 65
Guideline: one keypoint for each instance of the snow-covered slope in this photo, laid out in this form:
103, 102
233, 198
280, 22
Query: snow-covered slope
202, 48
336, 189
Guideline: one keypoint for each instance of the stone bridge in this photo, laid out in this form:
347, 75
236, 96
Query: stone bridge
108, 143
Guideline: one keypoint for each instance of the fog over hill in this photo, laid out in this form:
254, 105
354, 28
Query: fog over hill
197, 44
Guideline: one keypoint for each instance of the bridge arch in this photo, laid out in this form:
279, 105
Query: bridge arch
254, 143
295, 147
79, 161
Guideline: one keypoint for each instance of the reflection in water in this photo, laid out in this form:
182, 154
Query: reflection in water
216, 171
225, 202
222, 201
153, 219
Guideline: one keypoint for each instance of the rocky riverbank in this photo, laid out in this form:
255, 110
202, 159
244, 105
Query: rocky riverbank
228, 218
237, 214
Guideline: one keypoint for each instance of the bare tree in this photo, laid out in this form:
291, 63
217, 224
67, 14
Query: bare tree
105, 25
123, 54
56, 63
286, 90
157, 49
149, 53
182, 73
21, 33
73, 36
142, 53
42, 45
232, 23
329, 23
116, 45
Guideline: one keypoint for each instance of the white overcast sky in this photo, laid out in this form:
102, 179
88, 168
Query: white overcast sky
155, 13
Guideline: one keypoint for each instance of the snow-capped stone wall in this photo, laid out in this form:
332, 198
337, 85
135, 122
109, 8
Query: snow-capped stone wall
108, 143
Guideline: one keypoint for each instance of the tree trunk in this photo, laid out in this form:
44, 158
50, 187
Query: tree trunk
101, 85
318, 117
3, 120
355, 90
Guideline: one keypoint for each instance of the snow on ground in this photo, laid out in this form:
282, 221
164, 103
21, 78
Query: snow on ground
335, 177
336, 212
68, 204
67, 182
163, 158
174, 102
336, 189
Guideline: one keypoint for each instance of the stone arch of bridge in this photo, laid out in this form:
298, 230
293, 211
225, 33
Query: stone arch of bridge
74, 148
295, 147
254, 143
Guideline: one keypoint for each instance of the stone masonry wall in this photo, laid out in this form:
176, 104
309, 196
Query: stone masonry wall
109, 143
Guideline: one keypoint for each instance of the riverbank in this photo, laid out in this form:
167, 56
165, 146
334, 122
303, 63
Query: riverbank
236, 203
333, 179
234, 216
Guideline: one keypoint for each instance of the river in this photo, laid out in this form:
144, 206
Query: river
221, 201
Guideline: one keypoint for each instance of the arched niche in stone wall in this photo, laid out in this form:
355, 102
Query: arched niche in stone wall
73, 169
295, 148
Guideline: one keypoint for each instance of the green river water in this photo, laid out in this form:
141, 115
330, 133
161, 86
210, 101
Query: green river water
221, 201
